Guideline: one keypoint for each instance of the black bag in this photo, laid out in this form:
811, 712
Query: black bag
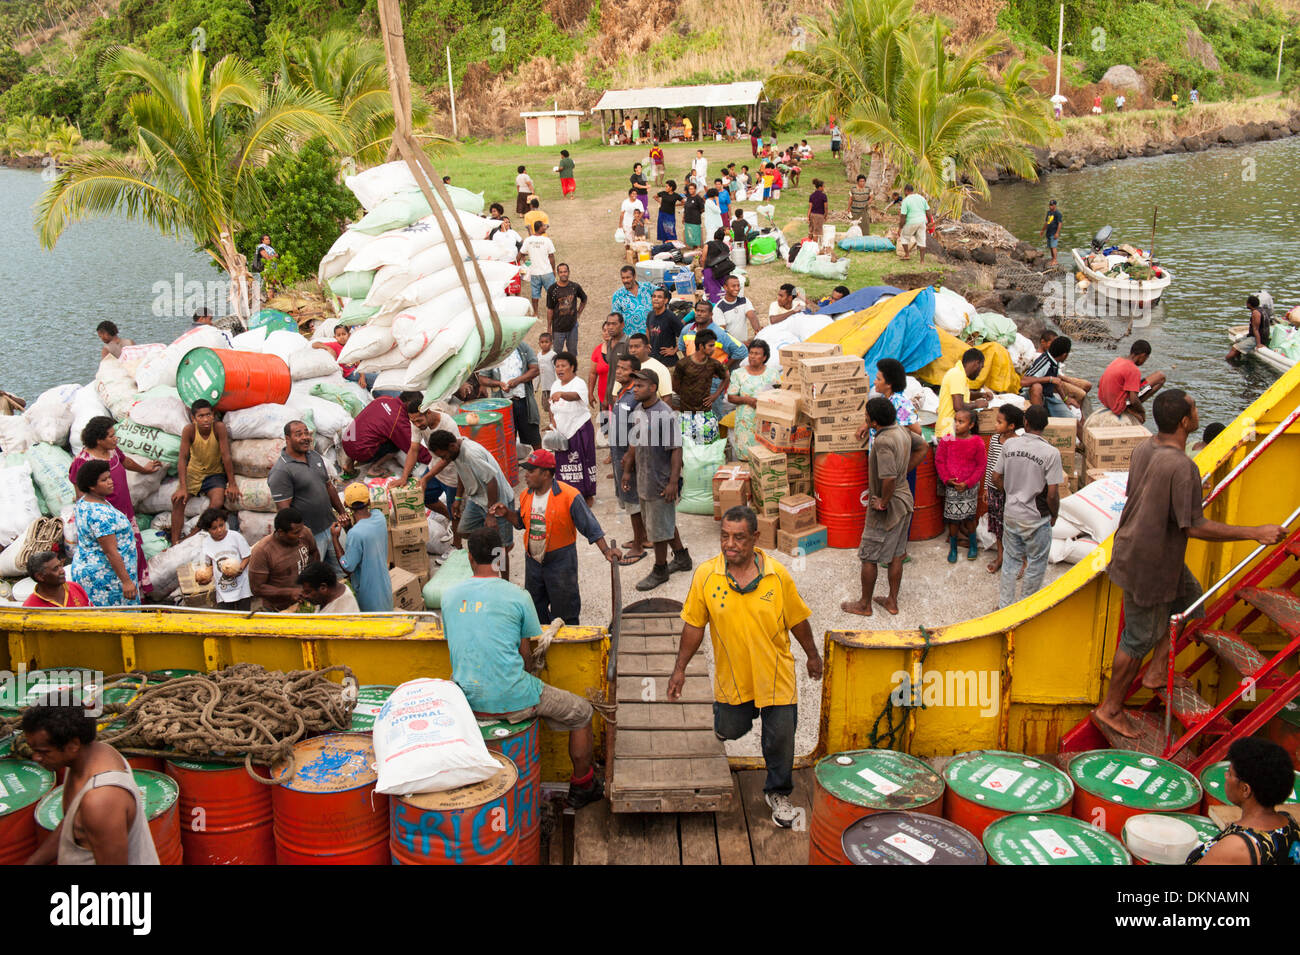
258, 263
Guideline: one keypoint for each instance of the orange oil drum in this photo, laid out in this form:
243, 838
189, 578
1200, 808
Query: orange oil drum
521, 744
927, 517
471, 825
504, 407
489, 431
1113, 785
23, 784
328, 813
988, 784
840, 489
232, 379
161, 800
226, 816
848, 786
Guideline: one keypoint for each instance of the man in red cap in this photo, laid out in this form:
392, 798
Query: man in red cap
552, 514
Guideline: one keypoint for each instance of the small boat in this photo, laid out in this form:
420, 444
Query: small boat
1267, 355
1120, 288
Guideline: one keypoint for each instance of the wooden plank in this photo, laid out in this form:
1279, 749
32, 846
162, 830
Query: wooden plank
653, 624
592, 834
698, 837
662, 846
771, 844
704, 801
732, 831
659, 664
626, 838
685, 716
660, 744
653, 689
631, 774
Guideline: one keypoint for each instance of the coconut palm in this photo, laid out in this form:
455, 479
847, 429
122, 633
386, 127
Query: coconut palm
200, 134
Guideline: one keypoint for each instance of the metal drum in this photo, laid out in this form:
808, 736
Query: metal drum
1214, 782
470, 825
521, 744
22, 785
226, 816
849, 786
1112, 785
329, 813
161, 799
1050, 839
370, 700
910, 838
988, 784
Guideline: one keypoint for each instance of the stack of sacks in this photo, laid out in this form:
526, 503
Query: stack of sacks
1089, 516
951, 311
395, 271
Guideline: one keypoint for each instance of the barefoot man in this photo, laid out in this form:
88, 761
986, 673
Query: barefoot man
1162, 511
889, 513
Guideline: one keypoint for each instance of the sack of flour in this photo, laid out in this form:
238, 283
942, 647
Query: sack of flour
427, 740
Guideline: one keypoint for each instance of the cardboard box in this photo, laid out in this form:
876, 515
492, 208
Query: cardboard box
732, 494
379, 501
798, 512
801, 485
776, 436
409, 533
769, 508
414, 559
802, 542
766, 467
406, 590
798, 466
767, 528
717, 511
1117, 436
781, 407
812, 391
839, 420
767, 500
832, 367
853, 404
790, 355
407, 504
1062, 434
1096, 474
844, 441
730, 472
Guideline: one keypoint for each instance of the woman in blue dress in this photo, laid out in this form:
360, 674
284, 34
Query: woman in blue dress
106, 559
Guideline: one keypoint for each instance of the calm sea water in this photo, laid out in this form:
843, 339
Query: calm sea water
1226, 227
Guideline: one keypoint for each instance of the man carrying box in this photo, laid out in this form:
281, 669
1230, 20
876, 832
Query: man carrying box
552, 514
365, 559
889, 513
749, 603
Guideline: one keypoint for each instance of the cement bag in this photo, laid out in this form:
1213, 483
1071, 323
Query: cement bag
352, 284
16, 434
49, 466
115, 386
1022, 353
255, 458
347, 395
50, 415
399, 245
366, 342
699, 461
1070, 551
951, 311
161, 409
824, 268
431, 286
254, 494
133, 355
41, 534
18, 507
159, 500
259, 421
440, 535
143, 486
311, 363
255, 525
160, 368
1096, 509
427, 740
328, 418
164, 567
153, 543
393, 358
1065, 530
345, 247
377, 183
453, 570
253, 340
323, 331
152, 443
85, 405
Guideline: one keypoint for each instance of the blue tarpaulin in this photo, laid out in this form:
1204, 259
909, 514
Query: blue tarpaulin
857, 301
910, 337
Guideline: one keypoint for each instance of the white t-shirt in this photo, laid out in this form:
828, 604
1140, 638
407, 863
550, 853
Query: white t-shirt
345, 602
508, 237
735, 317
231, 547
524, 183
535, 532
546, 369
628, 208
777, 308
512, 367
700, 165
538, 248
445, 423
570, 416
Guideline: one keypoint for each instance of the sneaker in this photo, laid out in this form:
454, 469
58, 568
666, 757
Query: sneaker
657, 577
585, 795
783, 811
681, 563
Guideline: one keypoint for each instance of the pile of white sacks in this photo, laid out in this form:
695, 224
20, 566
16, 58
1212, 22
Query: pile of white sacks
401, 292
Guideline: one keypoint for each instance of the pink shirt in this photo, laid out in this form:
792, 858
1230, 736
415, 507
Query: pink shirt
960, 459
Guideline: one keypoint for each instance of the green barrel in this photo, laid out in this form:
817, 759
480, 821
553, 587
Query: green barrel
22, 785
1051, 839
370, 700
1214, 781
987, 784
1112, 785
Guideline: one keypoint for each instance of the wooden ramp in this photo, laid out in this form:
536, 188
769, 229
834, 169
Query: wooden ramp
744, 834
665, 757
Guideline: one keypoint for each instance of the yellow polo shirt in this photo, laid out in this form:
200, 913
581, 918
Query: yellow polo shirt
954, 382
752, 659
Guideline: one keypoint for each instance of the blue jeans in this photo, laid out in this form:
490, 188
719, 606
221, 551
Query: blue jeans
435, 489
1018, 544
538, 283
325, 547
1055, 406
365, 379
734, 720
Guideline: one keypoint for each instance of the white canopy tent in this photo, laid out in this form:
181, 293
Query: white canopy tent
663, 103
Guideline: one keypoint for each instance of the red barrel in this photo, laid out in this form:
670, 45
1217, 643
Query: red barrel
520, 743
22, 785
155, 764
472, 825
1112, 785
988, 784
488, 429
840, 488
849, 786
506, 408
927, 518
226, 816
232, 379
1284, 729
328, 813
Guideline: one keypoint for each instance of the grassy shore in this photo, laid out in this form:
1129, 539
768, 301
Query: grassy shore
1137, 128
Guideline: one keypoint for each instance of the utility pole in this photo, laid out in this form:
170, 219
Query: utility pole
452, 90
1280, 41
1060, 39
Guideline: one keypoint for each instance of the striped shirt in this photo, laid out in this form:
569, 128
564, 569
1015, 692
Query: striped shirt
1044, 366
995, 452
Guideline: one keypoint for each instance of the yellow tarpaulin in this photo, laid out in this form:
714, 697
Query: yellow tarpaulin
998, 375
856, 332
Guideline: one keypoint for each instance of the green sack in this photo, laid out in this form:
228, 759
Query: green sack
762, 245
50, 466
152, 443
399, 211
699, 463
153, 543
992, 327
272, 319
352, 284
344, 397
454, 570
357, 312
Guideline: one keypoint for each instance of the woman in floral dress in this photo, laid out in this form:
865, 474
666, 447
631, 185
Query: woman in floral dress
106, 556
746, 383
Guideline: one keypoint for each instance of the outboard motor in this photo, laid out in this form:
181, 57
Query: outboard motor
1099, 240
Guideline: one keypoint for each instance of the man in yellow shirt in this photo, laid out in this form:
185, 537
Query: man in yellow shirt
750, 605
535, 215
954, 391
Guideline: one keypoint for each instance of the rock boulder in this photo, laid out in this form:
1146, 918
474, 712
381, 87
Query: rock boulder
1124, 77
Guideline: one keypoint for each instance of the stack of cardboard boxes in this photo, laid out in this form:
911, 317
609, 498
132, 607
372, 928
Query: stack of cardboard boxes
833, 395
408, 558
1061, 433
799, 532
1110, 448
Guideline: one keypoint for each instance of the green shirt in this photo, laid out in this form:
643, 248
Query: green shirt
566, 167
914, 207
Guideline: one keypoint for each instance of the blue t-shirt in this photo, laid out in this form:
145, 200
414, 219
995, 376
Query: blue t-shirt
724, 201
365, 557
485, 618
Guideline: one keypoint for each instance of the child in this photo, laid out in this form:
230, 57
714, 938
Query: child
545, 368
228, 554
1010, 420
960, 460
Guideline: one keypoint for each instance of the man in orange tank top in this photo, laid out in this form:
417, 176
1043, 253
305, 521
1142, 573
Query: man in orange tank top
204, 467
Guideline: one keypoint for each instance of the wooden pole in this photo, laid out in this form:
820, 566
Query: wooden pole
1154, 212
1060, 42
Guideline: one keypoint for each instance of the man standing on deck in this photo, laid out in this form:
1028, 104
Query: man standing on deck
749, 603
480, 484
890, 506
104, 819
1162, 511
552, 514
488, 623
301, 480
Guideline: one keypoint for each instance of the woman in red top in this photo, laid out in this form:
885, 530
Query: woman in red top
959, 459
53, 589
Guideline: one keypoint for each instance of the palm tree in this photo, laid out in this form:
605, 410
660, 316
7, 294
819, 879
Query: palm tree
200, 133
62, 142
